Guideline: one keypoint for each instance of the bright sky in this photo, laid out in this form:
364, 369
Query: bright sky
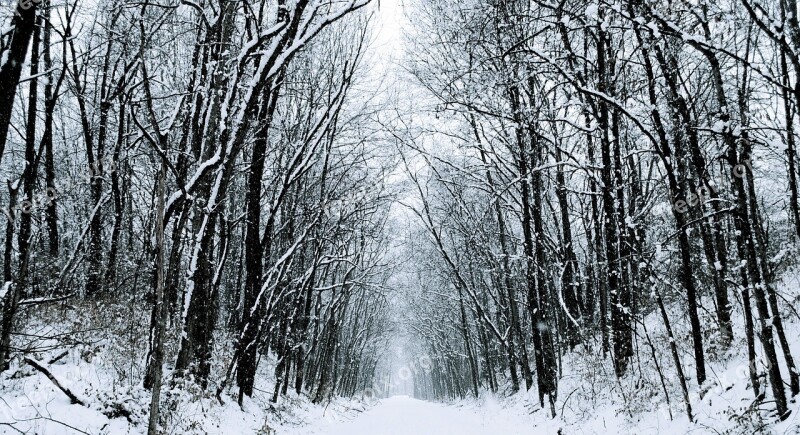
391, 19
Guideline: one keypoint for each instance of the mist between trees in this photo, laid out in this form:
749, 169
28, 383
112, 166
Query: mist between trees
230, 197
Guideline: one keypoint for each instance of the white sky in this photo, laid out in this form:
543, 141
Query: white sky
390, 22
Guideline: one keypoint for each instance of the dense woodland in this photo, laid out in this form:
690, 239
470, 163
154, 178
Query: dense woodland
232, 191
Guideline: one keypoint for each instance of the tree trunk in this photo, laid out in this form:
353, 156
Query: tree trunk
160, 311
13, 53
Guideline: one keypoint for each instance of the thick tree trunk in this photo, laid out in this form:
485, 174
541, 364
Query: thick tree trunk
51, 212
10, 296
530, 193
620, 294
13, 53
254, 251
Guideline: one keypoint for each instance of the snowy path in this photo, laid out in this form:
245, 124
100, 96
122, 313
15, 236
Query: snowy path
403, 415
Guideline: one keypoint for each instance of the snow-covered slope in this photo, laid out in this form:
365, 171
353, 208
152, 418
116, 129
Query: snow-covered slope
99, 371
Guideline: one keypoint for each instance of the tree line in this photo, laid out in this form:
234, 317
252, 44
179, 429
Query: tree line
208, 163
589, 164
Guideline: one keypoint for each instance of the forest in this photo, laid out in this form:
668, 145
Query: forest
399, 216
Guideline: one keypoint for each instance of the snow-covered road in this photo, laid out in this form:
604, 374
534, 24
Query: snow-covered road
403, 415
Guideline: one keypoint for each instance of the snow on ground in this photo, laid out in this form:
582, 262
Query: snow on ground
403, 415
101, 368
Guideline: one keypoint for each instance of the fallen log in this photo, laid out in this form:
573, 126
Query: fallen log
41, 367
